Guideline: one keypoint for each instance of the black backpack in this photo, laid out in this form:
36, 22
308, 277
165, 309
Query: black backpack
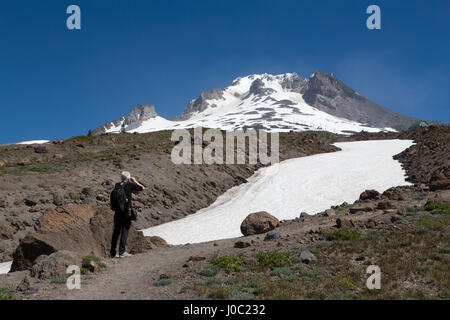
119, 200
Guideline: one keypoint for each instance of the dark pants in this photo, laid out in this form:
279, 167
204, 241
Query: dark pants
121, 227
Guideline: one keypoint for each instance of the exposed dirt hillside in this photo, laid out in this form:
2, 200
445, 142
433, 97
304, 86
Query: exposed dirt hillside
83, 170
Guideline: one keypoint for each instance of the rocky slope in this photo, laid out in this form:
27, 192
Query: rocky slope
312, 257
403, 230
83, 170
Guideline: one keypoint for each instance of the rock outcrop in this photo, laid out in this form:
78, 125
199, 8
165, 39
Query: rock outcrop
137, 115
83, 229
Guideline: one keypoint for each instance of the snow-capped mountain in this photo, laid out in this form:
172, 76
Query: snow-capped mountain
274, 102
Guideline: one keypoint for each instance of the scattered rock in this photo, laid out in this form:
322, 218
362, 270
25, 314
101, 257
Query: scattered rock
383, 205
259, 222
369, 195
25, 286
401, 211
394, 194
88, 192
55, 265
196, 258
440, 184
344, 223
29, 203
329, 213
40, 149
305, 215
307, 257
242, 244
58, 200
6, 232
271, 235
23, 162
371, 224
440, 199
170, 275
358, 208
93, 266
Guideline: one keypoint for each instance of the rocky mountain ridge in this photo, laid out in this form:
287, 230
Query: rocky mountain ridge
282, 102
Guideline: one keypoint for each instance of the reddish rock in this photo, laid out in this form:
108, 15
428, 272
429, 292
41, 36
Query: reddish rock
259, 222
83, 229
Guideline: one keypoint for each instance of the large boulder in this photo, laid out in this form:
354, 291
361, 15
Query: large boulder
55, 265
259, 222
369, 195
83, 229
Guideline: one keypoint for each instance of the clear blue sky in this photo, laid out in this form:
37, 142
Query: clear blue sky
56, 83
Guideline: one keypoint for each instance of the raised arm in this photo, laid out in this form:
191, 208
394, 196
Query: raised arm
132, 179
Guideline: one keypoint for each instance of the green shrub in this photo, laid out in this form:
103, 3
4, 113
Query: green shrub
243, 296
208, 272
345, 234
437, 207
280, 271
373, 236
229, 263
423, 268
60, 280
445, 250
222, 293
345, 284
274, 259
87, 260
162, 282
6, 294
212, 281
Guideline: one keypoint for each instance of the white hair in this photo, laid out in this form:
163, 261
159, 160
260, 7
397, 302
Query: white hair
125, 175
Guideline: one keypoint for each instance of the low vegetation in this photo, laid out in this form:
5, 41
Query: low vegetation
414, 263
162, 282
229, 263
6, 294
89, 262
344, 234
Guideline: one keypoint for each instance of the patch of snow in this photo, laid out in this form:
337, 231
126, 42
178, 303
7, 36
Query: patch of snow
33, 142
5, 267
308, 184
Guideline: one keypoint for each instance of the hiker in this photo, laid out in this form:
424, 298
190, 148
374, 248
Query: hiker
121, 203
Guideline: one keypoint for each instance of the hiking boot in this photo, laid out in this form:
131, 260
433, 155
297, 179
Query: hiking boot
125, 254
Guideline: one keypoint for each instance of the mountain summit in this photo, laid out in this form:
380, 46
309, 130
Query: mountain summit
274, 102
